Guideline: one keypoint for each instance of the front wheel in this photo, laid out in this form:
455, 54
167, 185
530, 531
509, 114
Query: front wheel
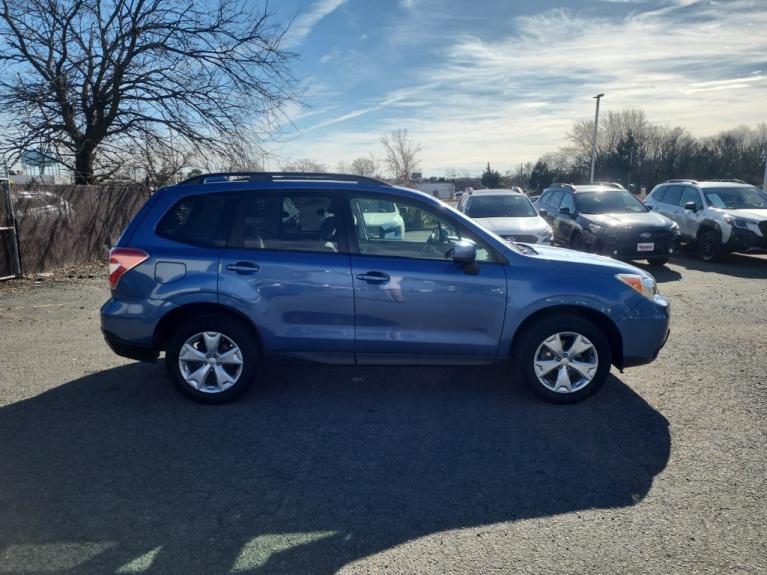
563, 358
709, 246
212, 358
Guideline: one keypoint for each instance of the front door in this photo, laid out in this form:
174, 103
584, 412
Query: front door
286, 267
413, 304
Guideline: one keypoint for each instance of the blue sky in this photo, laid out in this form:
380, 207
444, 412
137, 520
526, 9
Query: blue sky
502, 81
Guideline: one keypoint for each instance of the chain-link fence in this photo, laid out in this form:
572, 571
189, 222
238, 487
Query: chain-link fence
61, 226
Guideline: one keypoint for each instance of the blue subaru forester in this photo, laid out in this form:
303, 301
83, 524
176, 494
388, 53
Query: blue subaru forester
223, 272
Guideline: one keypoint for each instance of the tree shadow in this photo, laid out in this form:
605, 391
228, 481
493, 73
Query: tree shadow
313, 469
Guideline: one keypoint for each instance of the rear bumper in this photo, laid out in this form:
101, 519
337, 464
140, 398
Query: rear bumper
645, 336
129, 350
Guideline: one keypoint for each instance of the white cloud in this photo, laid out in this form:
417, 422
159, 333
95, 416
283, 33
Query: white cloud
512, 99
304, 23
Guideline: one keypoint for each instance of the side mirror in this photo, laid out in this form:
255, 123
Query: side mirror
692, 206
543, 212
465, 255
565, 211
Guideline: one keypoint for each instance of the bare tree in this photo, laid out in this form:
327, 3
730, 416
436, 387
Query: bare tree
367, 166
304, 165
86, 78
400, 155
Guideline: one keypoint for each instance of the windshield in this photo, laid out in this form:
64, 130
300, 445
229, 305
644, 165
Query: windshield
617, 201
736, 198
500, 207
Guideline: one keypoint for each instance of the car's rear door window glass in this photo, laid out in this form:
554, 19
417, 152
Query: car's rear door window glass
200, 220
659, 195
389, 227
567, 202
554, 200
292, 222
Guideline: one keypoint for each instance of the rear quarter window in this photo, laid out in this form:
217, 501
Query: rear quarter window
200, 220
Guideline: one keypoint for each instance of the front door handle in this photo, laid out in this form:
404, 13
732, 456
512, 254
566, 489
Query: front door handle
375, 277
243, 268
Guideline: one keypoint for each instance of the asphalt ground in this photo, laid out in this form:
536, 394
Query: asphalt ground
105, 468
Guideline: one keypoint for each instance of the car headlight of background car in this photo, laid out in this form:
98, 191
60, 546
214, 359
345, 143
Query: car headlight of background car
737, 222
595, 229
545, 235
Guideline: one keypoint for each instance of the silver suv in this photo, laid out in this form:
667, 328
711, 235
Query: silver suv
719, 216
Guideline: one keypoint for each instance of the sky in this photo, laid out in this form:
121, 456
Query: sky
502, 81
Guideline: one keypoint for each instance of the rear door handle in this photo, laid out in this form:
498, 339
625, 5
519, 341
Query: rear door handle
376, 277
243, 268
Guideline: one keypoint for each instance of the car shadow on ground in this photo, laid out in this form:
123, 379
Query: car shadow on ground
747, 266
662, 274
312, 469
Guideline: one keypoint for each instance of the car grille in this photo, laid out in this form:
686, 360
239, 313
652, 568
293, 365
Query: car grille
525, 239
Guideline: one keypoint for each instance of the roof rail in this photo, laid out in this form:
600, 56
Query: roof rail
681, 181
278, 177
562, 185
616, 185
732, 180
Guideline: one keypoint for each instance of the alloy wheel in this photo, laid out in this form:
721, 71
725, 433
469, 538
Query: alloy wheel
566, 362
210, 362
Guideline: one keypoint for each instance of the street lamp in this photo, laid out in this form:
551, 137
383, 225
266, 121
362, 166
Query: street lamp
594, 139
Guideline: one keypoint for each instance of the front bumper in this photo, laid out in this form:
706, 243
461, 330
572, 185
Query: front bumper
645, 334
741, 240
625, 247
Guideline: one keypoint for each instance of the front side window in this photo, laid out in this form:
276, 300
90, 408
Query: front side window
291, 222
736, 198
200, 220
690, 195
387, 227
612, 201
498, 206
567, 202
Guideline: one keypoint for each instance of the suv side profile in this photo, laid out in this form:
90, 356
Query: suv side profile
719, 216
226, 271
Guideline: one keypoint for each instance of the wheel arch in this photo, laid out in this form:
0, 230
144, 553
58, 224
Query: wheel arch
708, 224
178, 315
603, 322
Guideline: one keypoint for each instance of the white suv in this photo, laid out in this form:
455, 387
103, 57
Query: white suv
718, 215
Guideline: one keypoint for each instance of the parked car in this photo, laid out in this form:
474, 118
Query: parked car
608, 220
208, 273
719, 216
508, 213
40, 205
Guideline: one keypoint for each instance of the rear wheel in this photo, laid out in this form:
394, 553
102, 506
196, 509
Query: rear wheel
710, 245
563, 358
212, 358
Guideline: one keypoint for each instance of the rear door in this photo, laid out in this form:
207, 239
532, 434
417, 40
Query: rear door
287, 267
413, 303
669, 207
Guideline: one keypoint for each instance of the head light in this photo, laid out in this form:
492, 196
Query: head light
737, 222
595, 229
643, 284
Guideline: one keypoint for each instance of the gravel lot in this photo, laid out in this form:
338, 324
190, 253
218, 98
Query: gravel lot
104, 468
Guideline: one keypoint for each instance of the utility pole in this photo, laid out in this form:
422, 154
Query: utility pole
631, 161
594, 139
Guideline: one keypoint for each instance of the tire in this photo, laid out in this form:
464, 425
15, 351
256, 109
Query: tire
710, 245
658, 261
221, 381
532, 353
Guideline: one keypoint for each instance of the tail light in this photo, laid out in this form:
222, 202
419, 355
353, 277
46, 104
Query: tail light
122, 260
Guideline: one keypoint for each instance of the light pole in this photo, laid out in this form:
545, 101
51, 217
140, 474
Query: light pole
764, 180
594, 139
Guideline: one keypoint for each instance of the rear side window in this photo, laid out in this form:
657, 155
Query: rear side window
199, 220
658, 195
567, 202
289, 222
673, 195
